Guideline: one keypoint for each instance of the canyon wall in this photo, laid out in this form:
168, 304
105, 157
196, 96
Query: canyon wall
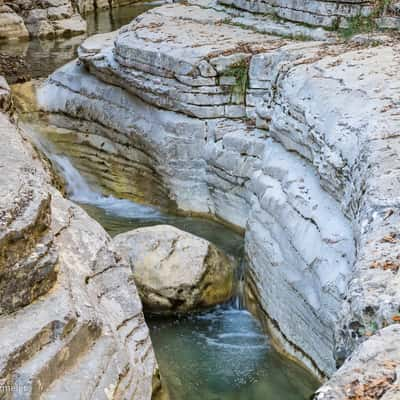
294, 142
45, 19
71, 322
55, 18
85, 6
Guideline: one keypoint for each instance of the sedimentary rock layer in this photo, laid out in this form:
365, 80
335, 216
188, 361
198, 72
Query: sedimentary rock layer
49, 19
71, 321
45, 19
12, 26
280, 138
371, 373
85, 6
314, 12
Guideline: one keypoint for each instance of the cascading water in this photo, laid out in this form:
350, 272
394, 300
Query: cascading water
80, 191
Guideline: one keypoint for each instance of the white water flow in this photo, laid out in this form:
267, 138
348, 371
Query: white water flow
80, 191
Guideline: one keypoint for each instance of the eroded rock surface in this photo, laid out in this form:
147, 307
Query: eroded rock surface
49, 19
21, 19
12, 26
293, 141
175, 270
71, 322
85, 6
372, 372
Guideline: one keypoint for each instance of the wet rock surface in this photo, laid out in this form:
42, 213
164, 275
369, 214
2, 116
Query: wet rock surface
174, 270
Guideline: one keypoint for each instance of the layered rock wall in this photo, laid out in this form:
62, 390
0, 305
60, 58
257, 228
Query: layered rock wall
279, 138
49, 19
73, 304
314, 12
85, 6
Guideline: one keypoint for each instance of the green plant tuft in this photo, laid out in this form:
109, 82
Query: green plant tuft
240, 71
358, 24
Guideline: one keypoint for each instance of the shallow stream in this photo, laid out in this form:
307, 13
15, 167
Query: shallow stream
220, 354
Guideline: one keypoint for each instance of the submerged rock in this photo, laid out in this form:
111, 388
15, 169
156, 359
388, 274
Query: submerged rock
175, 270
14, 68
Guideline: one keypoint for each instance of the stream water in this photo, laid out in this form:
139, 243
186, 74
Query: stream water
220, 354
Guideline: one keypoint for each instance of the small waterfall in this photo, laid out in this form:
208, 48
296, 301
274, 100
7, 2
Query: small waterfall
237, 301
80, 191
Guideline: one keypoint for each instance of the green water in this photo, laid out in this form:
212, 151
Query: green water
224, 355
221, 354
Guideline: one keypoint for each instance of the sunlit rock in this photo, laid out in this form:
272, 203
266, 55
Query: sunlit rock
174, 270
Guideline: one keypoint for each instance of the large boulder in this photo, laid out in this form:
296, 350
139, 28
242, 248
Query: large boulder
175, 270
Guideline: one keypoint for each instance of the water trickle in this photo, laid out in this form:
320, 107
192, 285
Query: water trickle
80, 191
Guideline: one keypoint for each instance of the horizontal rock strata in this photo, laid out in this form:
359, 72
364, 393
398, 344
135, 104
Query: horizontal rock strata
71, 322
85, 6
288, 140
21, 19
313, 12
12, 26
49, 19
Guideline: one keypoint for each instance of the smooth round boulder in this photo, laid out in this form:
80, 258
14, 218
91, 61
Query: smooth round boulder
176, 271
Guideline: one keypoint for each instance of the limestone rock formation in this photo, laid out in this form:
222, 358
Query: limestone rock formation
174, 270
12, 26
45, 19
49, 19
71, 322
213, 164
293, 141
371, 373
320, 13
85, 6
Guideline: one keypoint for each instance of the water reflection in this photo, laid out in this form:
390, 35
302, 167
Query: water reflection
45, 56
